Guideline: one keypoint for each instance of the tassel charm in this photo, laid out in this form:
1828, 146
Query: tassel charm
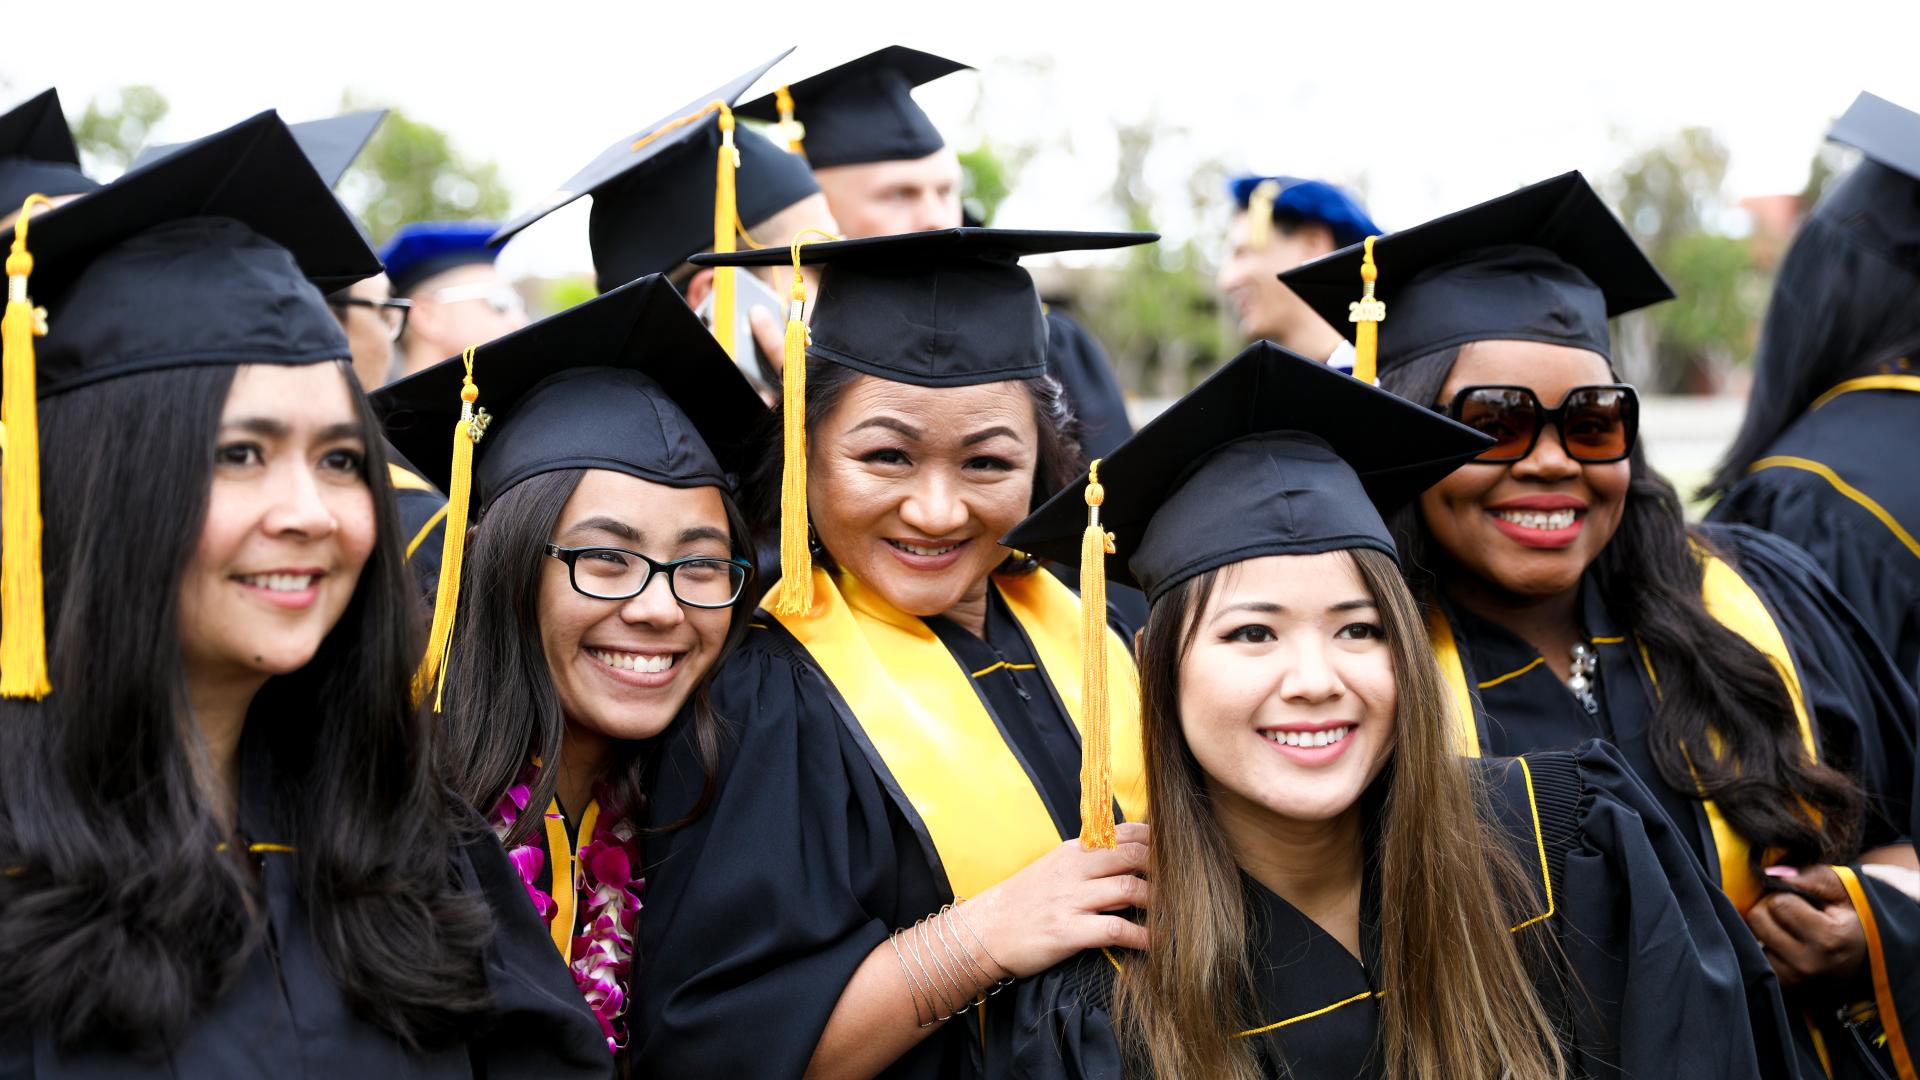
23, 630
788, 130
1260, 213
1096, 735
1366, 314
472, 425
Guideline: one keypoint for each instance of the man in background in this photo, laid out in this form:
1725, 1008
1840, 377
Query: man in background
1281, 222
459, 297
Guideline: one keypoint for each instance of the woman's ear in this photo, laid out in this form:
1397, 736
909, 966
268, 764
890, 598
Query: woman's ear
1139, 638
699, 286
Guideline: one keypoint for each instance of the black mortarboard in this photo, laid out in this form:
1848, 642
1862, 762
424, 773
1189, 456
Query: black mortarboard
1878, 202
1547, 263
206, 257
37, 154
859, 112
946, 308
629, 381
331, 145
1273, 454
655, 191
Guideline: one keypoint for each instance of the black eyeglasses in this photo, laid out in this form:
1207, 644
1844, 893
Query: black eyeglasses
607, 573
1597, 424
392, 312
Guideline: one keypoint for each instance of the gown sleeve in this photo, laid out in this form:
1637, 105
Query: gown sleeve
758, 913
1863, 708
1085, 373
540, 1025
1668, 979
1891, 920
1057, 1025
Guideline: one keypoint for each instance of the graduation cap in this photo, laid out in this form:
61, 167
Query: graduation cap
630, 381
1268, 199
331, 145
1273, 454
1878, 202
37, 154
945, 308
690, 181
1547, 263
861, 111
418, 250
208, 256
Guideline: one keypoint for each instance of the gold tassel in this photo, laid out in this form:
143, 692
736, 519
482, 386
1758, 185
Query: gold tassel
432, 673
23, 614
1096, 735
791, 131
795, 595
1260, 213
1366, 314
725, 218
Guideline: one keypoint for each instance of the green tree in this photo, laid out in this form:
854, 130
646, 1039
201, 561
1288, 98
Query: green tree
410, 171
1671, 196
111, 133
987, 178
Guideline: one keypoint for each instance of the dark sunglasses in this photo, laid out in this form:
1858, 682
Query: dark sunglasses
1597, 424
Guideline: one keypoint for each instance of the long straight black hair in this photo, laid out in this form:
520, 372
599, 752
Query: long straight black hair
122, 917
1713, 683
500, 705
1839, 309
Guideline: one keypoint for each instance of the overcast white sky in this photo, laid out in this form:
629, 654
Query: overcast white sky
1432, 105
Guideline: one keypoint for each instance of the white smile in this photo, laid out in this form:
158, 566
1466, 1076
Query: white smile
1308, 739
1544, 520
917, 549
644, 663
279, 582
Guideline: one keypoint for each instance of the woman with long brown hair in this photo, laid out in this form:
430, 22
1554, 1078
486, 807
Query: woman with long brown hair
1335, 892
1568, 600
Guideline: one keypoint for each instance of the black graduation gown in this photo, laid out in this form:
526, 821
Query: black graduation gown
420, 505
759, 912
286, 1017
1865, 440
1862, 710
1658, 959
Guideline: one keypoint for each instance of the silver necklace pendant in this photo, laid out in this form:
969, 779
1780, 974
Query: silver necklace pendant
1586, 664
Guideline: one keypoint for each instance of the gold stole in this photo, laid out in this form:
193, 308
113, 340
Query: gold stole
926, 720
562, 859
1736, 606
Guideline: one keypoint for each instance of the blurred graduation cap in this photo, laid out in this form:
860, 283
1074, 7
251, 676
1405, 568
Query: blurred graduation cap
945, 308
861, 111
210, 256
1273, 454
630, 381
331, 145
1290, 200
1547, 263
420, 249
660, 194
37, 154
1878, 202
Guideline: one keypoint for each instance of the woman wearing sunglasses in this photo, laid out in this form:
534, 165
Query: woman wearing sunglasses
1825, 455
1569, 600
604, 579
1336, 893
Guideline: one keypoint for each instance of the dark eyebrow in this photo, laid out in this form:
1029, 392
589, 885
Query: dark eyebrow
606, 524
703, 532
889, 422
351, 429
269, 428
1265, 607
1352, 605
990, 433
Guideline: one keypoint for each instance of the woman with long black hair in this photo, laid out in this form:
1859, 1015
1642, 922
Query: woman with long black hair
226, 849
1336, 893
1825, 454
604, 578
1569, 599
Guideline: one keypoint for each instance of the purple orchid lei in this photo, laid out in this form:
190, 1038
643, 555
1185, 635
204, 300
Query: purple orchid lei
609, 895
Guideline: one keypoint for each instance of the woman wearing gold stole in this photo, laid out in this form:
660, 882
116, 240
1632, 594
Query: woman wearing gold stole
1568, 599
888, 837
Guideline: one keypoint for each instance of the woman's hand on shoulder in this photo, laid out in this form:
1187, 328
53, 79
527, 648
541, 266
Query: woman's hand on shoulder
1064, 903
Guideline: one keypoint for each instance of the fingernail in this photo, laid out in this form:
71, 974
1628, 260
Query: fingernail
1780, 871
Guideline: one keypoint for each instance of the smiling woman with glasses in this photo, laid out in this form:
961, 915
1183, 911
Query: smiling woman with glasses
604, 581
1570, 600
